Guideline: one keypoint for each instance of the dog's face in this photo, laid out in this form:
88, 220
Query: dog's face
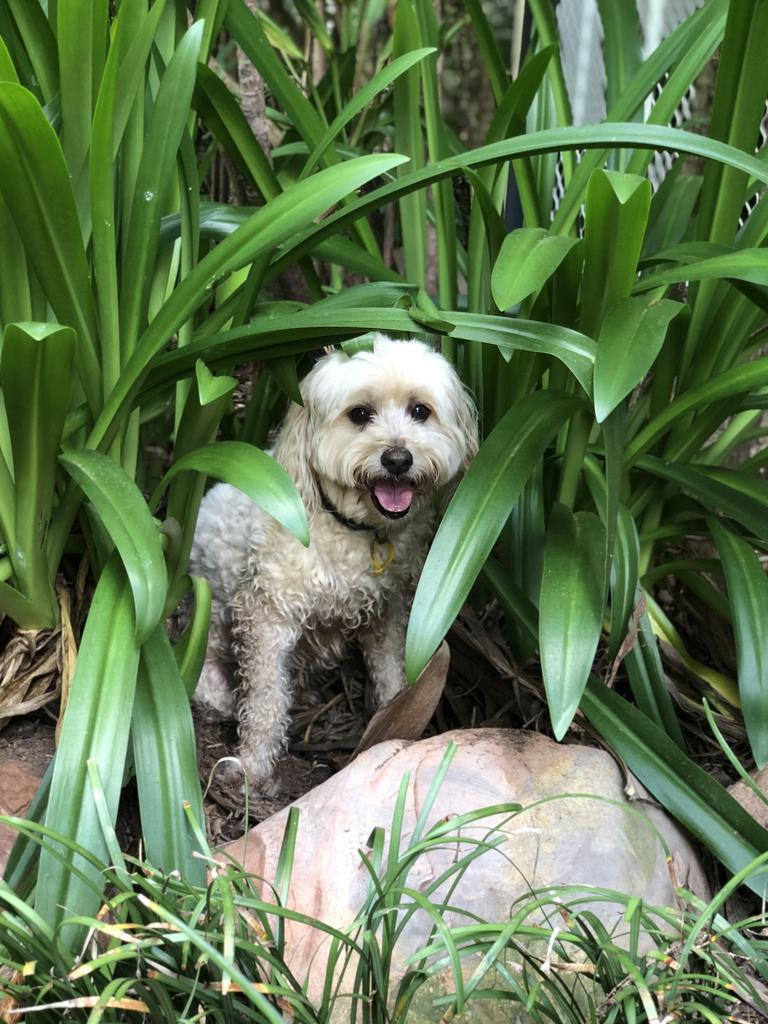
387, 427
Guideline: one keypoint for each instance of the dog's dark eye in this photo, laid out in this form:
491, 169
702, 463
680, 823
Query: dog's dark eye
420, 412
360, 415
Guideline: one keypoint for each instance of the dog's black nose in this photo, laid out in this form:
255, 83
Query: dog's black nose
396, 460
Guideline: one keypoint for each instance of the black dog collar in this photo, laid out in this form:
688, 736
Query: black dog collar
350, 524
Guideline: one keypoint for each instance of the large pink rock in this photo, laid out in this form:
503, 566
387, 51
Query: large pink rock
18, 785
597, 838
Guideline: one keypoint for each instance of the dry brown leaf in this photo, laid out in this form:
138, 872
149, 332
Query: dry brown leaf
407, 715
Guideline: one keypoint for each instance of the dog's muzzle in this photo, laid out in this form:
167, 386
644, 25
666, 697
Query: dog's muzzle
392, 495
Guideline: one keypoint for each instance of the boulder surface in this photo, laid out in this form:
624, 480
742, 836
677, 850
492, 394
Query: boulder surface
577, 826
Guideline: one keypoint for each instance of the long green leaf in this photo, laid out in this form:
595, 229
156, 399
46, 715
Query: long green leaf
270, 336
7, 69
96, 727
476, 515
252, 471
191, 649
617, 135
575, 350
81, 33
617, 208
677, 52
630, 339
722, 495
570, 610
748, 594
223, 114
409, 140
685, 790
40, 42
742, 265
528, 257
169, 119
380, 81
491, 58
123, 511
166, 761
621, 47
737, 111
36, 187
36, 377
291, 211
730, 384
208, 400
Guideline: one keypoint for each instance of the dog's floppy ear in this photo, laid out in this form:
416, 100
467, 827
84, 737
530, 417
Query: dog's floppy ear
292, 451
466, 420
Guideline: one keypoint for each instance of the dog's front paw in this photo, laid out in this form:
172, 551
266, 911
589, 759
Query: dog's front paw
237, 775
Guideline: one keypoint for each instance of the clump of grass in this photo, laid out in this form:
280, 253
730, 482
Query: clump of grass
166, 948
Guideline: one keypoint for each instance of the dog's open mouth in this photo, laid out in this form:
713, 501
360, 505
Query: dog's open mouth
392, 496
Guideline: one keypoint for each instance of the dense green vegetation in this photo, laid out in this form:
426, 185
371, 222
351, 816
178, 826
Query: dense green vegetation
622, 415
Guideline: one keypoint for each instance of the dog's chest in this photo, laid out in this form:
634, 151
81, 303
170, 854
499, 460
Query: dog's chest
344, 577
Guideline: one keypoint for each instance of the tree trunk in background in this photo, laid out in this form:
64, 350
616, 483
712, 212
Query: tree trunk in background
252, 95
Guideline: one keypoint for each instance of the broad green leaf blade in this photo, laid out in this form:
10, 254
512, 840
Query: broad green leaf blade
617, 207
36, 377
528, 258
748, 594
128, 53
166, 761
252, 471
36, 187
282, 217
123, 511
476, 515
626, 555
630, 339
681, 787
96, 726
570, 609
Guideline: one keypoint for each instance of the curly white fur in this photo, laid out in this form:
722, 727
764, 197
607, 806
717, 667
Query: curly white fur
281, 610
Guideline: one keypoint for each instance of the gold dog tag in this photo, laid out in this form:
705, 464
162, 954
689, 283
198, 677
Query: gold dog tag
382, 553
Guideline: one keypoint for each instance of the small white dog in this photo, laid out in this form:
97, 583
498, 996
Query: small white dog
378, 434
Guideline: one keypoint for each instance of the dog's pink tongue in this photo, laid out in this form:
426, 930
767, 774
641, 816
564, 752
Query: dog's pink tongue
394, 495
